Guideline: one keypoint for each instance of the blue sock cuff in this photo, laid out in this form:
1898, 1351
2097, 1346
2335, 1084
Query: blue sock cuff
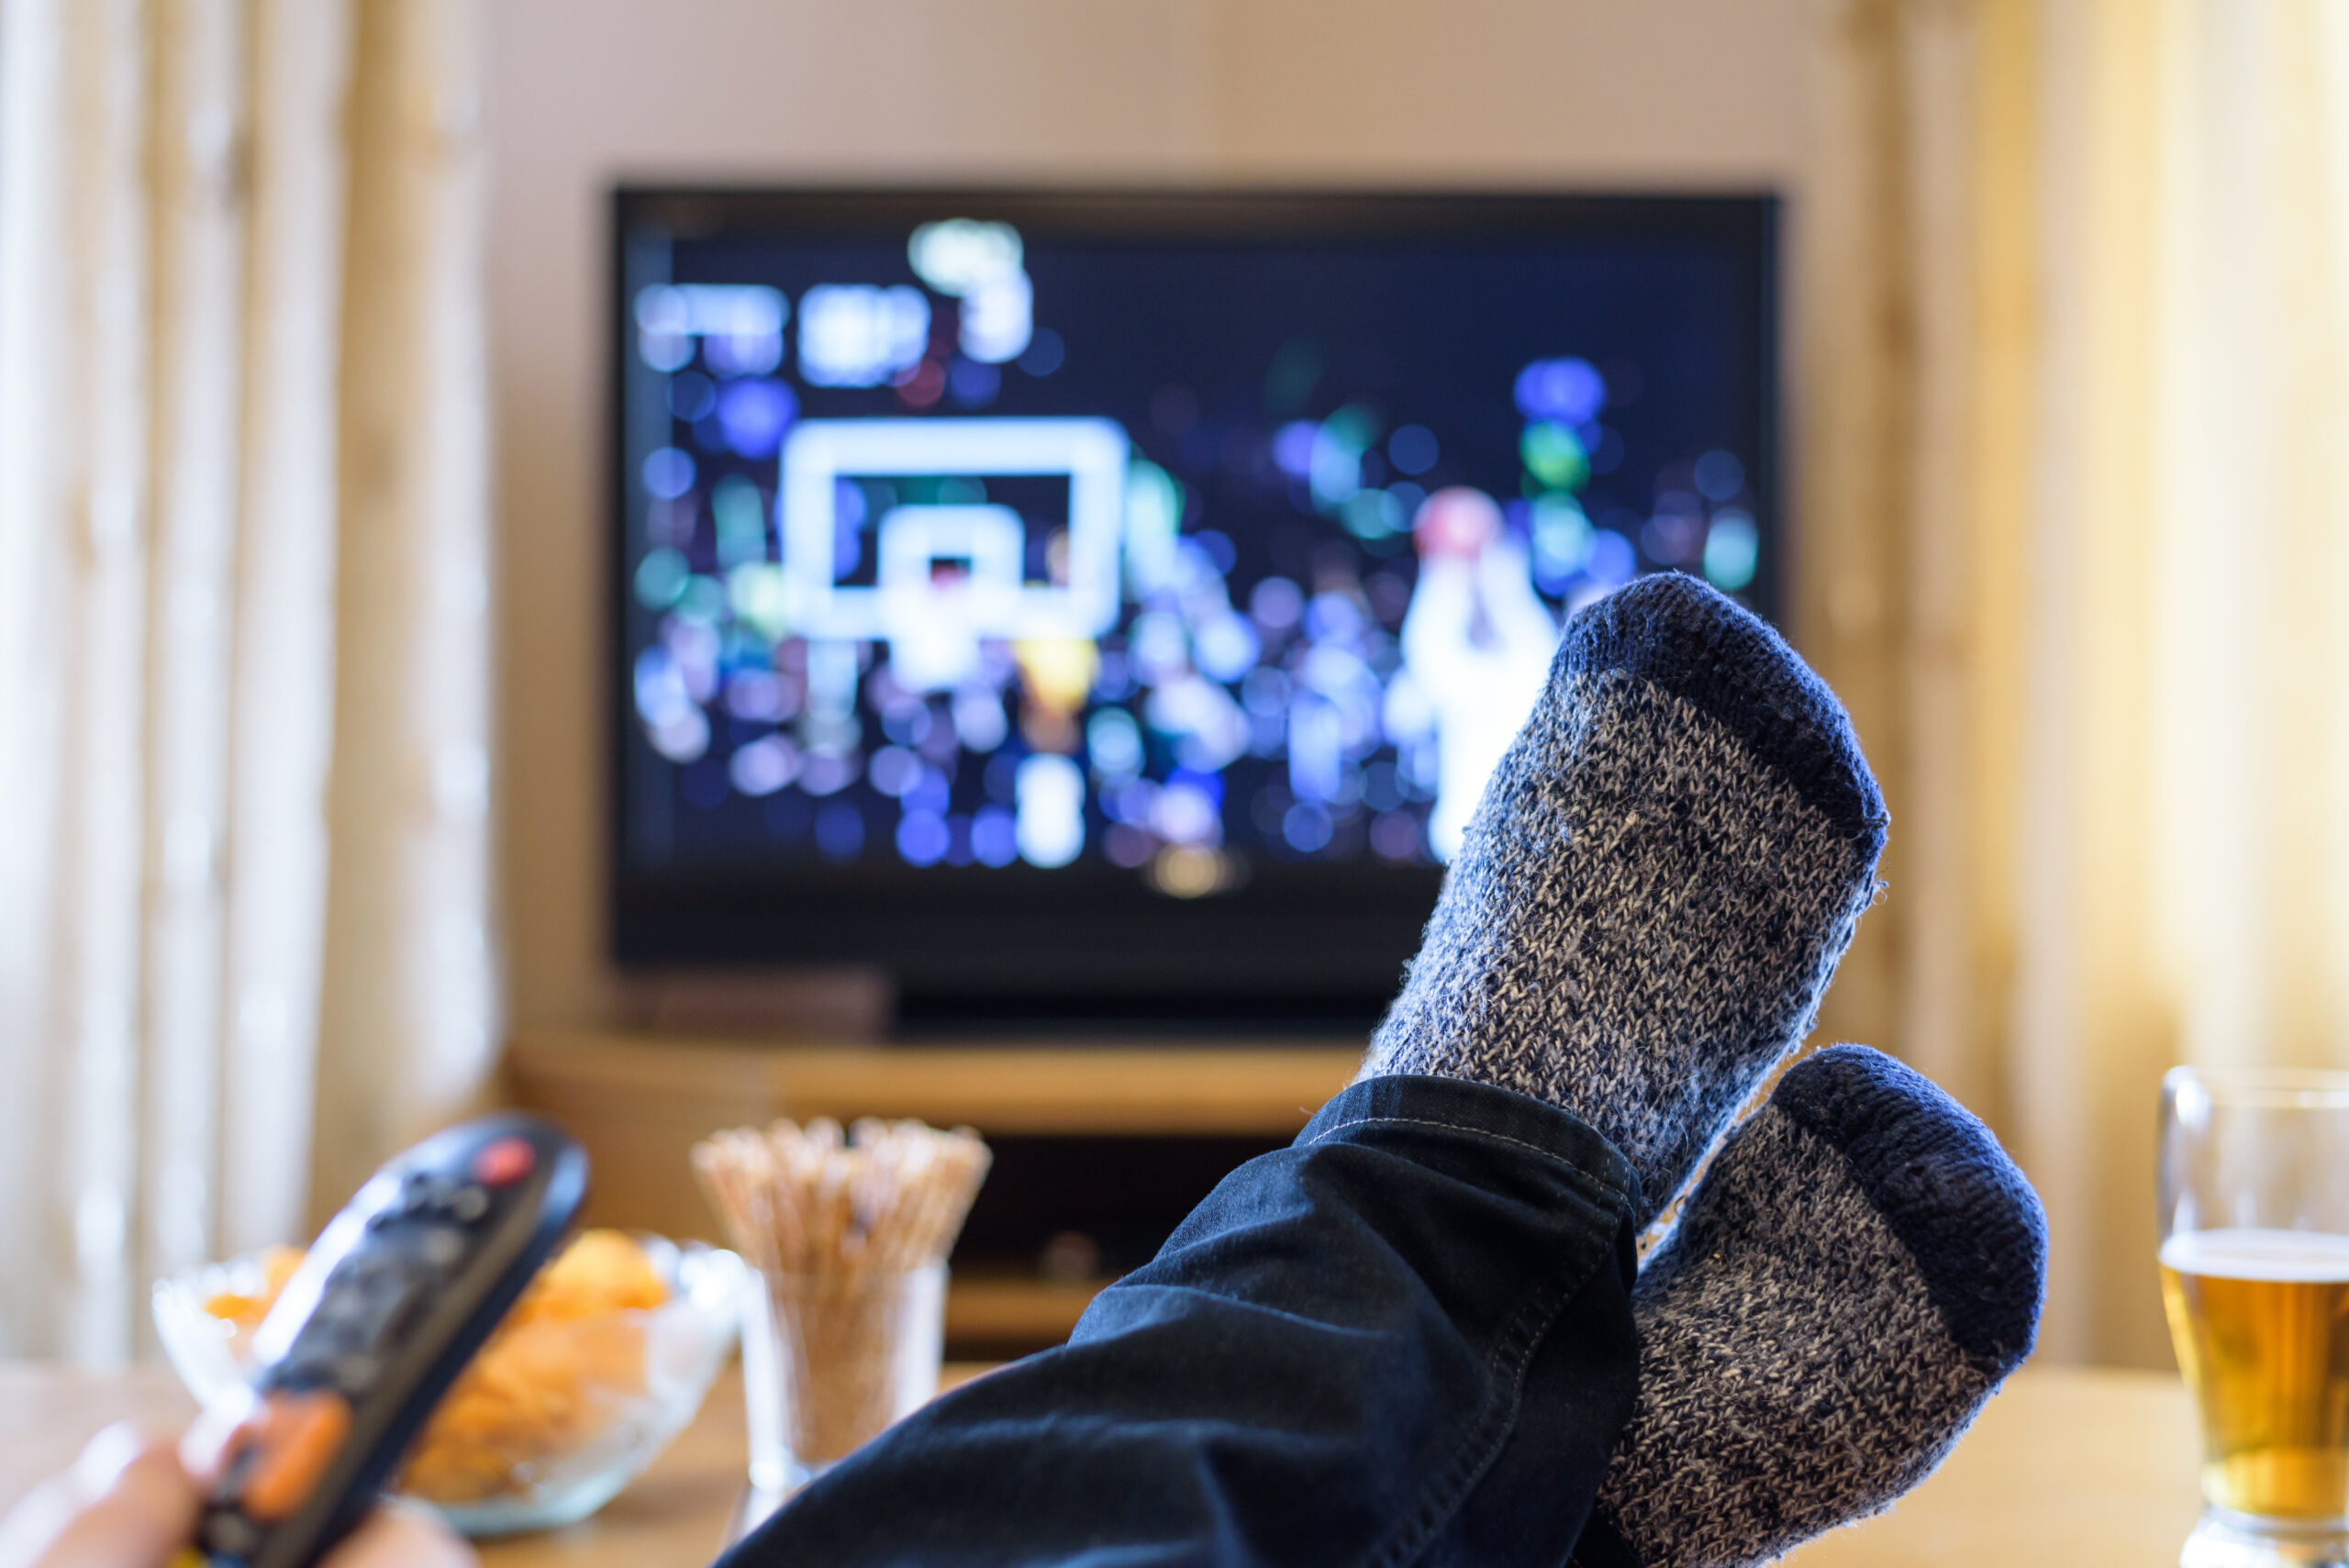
1677, 633
1943, 1185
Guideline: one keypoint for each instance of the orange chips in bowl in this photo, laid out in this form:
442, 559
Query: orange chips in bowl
571, 1372
242, 1310
565, 1366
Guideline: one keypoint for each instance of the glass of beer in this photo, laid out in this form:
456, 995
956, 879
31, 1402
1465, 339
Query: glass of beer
2254, 1263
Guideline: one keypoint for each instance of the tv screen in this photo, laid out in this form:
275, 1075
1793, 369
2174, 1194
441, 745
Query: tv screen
1114, 603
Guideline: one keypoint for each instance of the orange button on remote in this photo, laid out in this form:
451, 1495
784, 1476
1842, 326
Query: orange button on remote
300, 1434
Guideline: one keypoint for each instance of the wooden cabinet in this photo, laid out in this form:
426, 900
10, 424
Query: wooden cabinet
639, 1101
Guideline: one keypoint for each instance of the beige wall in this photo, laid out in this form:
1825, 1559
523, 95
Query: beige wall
1689, 92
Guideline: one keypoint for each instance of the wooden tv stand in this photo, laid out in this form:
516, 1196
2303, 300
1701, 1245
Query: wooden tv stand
639, 1101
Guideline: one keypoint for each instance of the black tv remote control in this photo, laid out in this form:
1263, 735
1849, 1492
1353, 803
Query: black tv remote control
396, 1295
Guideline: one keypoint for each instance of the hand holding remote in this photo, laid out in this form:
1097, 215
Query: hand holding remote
388, 1306
129, 1502
391, 1302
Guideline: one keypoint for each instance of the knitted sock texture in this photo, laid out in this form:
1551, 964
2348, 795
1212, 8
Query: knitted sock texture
1860, 1269
1656, 885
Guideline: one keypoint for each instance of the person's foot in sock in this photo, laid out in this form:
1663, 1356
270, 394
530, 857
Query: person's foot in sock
1661, 876
1857, 1273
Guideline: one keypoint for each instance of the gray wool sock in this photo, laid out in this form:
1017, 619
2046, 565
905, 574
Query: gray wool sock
1857, 1274
1661, 876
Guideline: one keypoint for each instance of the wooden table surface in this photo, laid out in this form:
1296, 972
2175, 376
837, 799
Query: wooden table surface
2065, 1467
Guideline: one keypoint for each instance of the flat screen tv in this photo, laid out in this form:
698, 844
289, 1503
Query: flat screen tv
1112, 603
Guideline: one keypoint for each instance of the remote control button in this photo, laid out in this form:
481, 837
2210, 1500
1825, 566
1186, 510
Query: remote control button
355, 1372
334, 1339
300, 1436
394, 1288
442, 1247
471, 1203
340, 1304
306, 1361
505, 1162
230, 1535
388, 1309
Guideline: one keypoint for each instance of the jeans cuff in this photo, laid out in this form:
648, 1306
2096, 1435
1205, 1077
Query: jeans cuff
1479, 1110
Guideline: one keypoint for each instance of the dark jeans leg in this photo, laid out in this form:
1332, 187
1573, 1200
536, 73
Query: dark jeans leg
1405, 1339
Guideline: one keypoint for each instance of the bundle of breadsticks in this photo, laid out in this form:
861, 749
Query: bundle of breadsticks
835, 1222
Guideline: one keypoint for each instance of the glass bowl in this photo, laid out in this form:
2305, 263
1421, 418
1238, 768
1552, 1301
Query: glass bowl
550, 1421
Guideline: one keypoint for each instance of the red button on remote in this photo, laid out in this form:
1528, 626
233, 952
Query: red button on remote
507, 1160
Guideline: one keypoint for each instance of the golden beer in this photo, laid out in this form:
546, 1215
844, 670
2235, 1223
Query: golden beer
2261, 1322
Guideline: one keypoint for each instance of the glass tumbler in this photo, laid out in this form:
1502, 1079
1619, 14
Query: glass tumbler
829, 1360
2254, 1267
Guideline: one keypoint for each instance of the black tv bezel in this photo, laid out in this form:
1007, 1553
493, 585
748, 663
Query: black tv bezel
1303, 942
